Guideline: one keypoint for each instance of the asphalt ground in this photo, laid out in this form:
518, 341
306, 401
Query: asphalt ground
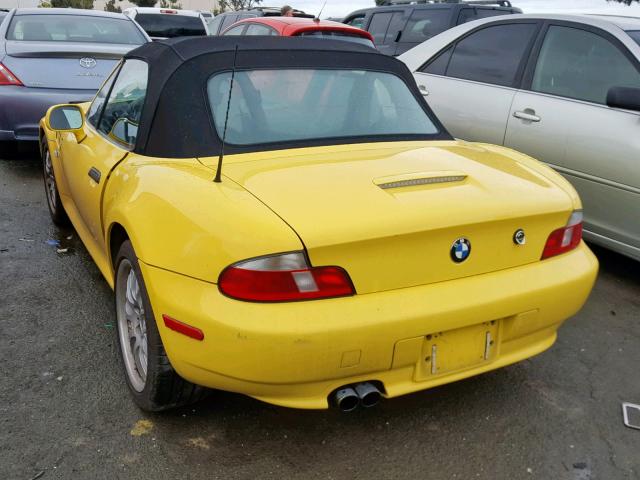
65, 412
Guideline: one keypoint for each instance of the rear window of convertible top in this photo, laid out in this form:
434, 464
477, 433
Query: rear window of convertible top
274, 106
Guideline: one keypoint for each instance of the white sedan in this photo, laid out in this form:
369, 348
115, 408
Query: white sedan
564, 89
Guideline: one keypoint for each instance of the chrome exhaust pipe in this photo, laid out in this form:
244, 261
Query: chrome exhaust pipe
368, 394
346, 399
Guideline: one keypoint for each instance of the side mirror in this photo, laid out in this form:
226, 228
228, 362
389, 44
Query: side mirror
66, 118
627, 98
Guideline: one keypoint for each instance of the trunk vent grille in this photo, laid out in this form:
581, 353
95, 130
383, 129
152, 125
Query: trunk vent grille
412, 182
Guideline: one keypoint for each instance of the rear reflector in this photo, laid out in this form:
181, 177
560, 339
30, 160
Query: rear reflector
564, 239
283, 278
183, 328
8, 78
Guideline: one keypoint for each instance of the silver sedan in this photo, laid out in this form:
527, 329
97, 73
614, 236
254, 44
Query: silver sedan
564, 89
56, 55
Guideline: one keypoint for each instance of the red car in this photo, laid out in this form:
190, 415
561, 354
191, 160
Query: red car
299, 27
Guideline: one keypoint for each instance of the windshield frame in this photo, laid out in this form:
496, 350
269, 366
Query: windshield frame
440, 131
134, 28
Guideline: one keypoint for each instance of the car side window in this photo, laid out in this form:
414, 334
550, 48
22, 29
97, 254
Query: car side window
257, 29
227, 21
95, 109
474, 13
438, 66
492, 55
235, 30
123, 109
357, 21
583, 65
425, 23
214, 26
379, 26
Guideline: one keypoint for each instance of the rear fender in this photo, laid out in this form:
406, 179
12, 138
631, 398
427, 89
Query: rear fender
178, 219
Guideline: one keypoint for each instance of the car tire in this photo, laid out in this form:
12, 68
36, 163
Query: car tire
56, 209
151, 379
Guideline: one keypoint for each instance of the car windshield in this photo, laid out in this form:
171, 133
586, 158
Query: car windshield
337, 35
74, 28
273, 106
170, 25
635, 35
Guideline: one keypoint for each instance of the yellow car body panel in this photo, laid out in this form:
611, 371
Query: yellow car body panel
328, 201
296, 354
345, 218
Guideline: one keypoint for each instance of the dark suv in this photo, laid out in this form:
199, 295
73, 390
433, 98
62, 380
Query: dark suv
220, 23
402, 24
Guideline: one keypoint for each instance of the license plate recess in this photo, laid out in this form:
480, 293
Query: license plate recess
456, 350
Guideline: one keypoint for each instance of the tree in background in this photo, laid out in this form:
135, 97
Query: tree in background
175, 4
111, 6
144, 3
237, 4
86, 4
626, 2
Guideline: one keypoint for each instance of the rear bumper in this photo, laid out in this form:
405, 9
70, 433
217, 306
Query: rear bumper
296, 354
21, 108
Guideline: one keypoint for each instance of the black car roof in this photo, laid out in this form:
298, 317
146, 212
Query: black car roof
176, 121
435, 6
187, 48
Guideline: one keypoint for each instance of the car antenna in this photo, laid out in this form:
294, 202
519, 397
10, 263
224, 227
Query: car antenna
218, 178
317, 19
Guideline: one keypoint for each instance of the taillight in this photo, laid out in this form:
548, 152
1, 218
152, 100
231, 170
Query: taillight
566, 238
169, 11
283, 278
8, 78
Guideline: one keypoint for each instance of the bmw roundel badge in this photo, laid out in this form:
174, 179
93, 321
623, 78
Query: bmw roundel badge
460, 250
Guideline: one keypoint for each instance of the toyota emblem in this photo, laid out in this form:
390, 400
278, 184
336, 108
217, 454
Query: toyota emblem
88, 62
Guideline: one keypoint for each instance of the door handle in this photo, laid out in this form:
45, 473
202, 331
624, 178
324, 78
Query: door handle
528, 115
95, 174
423, 90
398, 36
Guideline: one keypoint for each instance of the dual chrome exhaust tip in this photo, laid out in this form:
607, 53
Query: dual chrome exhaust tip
366, 394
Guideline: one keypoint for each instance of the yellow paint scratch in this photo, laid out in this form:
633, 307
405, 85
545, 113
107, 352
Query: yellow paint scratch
142, 427
198, 442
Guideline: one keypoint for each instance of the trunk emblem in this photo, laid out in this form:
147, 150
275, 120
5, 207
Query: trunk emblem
88, 62
460, 250
519, 238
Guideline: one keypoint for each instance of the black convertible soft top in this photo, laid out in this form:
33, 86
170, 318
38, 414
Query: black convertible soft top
176, 120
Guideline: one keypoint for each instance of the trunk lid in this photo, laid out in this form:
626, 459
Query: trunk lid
57, 64
390, 214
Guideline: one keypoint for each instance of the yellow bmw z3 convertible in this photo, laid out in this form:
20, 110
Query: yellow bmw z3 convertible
287, 219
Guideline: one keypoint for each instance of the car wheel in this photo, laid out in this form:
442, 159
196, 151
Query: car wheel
58, 215
152, 380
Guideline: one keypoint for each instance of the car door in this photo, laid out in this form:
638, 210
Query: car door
382, 32
563, 119
111, 129
472, 83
